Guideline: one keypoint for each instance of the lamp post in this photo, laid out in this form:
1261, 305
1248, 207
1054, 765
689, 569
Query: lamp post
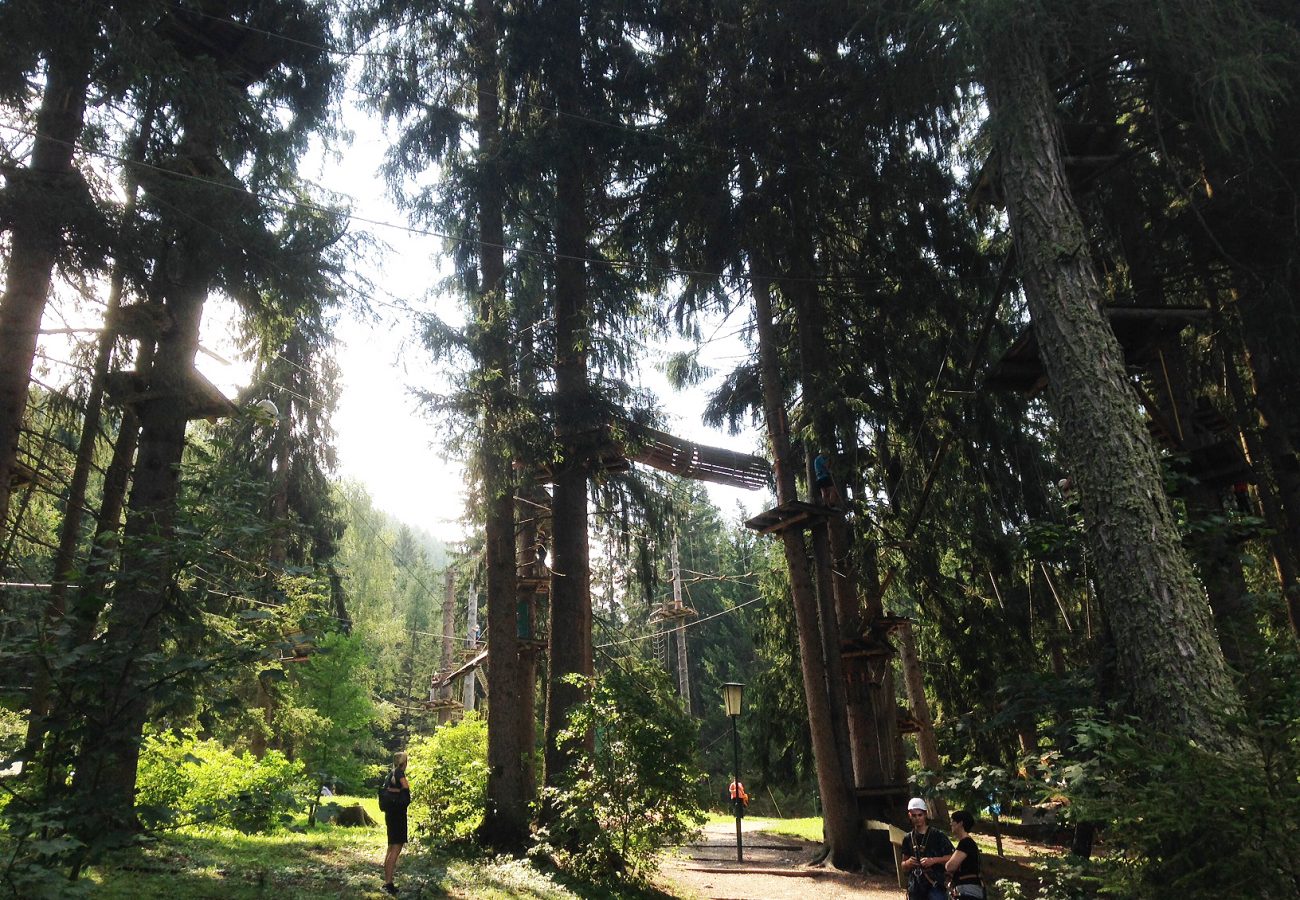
731, 694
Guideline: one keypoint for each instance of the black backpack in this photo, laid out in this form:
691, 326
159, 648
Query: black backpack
391, 795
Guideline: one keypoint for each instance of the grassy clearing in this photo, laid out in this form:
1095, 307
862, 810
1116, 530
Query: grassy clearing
327, 861
809, 829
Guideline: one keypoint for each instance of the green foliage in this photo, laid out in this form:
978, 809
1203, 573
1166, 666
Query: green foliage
186, 781
979, 786
1181, 821
449, 779
392, 578
638, 790
329, 710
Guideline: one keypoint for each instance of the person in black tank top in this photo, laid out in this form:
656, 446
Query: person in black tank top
964, 864
395, 818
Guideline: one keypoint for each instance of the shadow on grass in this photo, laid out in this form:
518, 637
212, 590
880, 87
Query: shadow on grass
471, 875
329, 862
225, 864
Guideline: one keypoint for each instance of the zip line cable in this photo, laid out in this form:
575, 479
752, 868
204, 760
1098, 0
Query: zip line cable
692, 624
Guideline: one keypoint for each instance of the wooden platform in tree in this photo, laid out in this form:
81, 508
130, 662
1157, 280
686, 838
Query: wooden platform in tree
1204, 443
883, 626
907, 723
671, 611
866, 648
610, 462
795, 514
1137, 328
473, 663
21, 475
200, 398
141, 321
531, 584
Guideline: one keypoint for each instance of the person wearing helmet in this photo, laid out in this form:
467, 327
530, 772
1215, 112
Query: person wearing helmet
925, 851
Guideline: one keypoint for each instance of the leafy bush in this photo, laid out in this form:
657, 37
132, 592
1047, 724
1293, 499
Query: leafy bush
448, 775
638, 790
1180, 821
185, 781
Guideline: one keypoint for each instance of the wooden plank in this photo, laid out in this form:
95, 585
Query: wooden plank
788, 515
896, 841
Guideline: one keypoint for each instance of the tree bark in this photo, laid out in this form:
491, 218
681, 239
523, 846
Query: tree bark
106, 770
839, 809
927, 748
36, 237
70, 529
570, 625
1170, 663
510, 736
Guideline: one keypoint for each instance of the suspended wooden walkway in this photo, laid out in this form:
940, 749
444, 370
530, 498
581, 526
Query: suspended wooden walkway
669, 453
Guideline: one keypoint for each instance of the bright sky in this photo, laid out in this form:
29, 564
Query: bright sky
384, 441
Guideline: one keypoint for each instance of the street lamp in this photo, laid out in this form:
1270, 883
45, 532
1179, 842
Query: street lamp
731, 694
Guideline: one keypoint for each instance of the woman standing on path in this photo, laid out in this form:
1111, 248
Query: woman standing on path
399, 791
964, 864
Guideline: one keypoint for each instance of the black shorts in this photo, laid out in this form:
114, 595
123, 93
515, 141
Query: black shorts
395, 822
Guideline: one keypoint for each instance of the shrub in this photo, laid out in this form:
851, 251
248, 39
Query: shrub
638, 790
185, 781
1180, 821
448, 775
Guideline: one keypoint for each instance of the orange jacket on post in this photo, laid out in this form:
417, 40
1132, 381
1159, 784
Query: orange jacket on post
737, 791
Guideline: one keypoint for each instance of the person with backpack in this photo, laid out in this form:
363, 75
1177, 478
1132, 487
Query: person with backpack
394, 798
964, 864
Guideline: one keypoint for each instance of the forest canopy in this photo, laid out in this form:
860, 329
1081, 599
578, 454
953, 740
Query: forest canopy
1015, 287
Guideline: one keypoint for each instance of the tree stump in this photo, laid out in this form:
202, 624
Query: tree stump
354, 816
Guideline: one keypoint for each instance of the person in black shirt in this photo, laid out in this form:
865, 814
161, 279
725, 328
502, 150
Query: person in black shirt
925, 851
395, 817
964, 863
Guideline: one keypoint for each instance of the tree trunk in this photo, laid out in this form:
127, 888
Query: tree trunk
570, 626
106, 770
91, 596
1171, 666
36, 237
927, 748
70, 529
839, 809
510, 736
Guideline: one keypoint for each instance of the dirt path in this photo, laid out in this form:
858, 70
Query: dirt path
775, 868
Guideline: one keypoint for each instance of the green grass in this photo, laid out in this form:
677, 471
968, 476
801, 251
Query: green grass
326, 861
809, 829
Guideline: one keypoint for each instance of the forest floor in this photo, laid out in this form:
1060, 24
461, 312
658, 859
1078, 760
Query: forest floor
327, 861
331, 861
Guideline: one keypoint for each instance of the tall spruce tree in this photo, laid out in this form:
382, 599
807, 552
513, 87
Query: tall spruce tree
228, 70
